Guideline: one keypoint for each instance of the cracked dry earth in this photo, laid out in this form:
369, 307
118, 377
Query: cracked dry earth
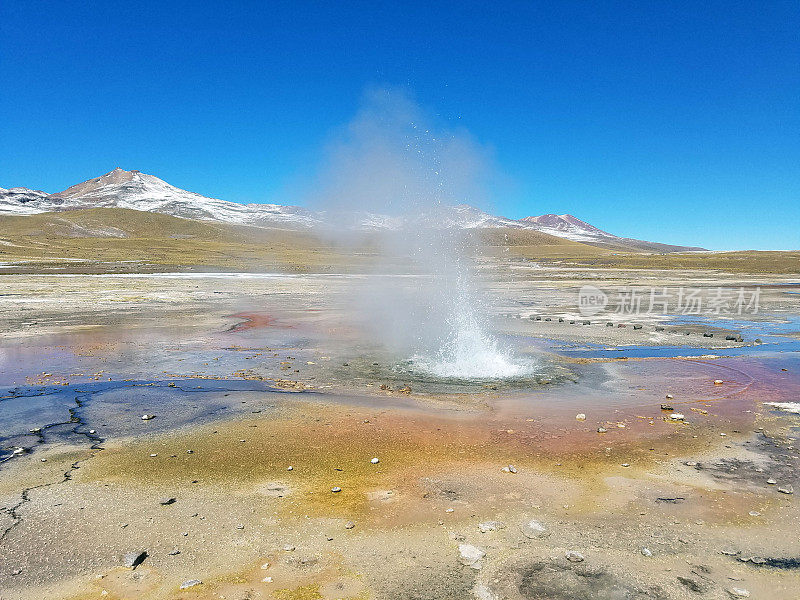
228, 492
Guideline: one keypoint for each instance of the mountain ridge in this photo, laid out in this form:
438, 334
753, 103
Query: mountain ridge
140, 191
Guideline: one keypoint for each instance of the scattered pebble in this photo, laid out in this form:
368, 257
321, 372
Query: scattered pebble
190, 583
265, 566
580, 417
738, 593
573, 556
133, 559
602, 430
288, 548
677, 416
240, 526
167, 501
647, 552
718, 382
754, 513
147, 417
449, 510
771, 481
375, 461
336, 489
786, 489
626, 464
175, 552
670, 396
509, 469
690, 463
349, 525
469, 555
533, 529
290, 468
487, 526
266, 580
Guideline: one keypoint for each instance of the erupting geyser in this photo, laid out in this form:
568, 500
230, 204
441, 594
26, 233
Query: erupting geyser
391, 161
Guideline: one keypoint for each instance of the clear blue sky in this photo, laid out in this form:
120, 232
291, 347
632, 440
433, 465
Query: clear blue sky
669, 121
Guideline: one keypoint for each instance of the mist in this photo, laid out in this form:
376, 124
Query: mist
393, 163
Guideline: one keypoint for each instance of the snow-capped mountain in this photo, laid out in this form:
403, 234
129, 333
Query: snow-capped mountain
138, 191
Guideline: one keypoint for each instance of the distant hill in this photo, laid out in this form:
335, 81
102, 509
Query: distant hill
139, 191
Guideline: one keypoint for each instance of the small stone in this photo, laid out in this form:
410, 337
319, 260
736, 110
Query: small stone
448, 510
738, 593
690, 463
240, 526
533, 529
131, 560
580, 417
92, 431
18, 451
469, 555
602, 430
667, 407
487, 526
677, 416
146, 417
509, 469
166, 501
754, 513
190, 452
670, 396
718, 382
349, 525
265, 566
573, 556
647, 552
190, 583
626, 464
771, 481
786, 489
290, 468
288, 548
336, 489
174, 552
375, 461
153, 455
266, 580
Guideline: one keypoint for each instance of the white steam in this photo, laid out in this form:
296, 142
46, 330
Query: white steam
390, 160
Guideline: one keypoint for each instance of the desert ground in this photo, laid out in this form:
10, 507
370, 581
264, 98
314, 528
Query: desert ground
208, 420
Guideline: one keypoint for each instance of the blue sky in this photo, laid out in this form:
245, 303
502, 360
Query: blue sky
669, 121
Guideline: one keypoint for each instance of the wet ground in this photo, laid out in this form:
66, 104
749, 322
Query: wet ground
265, 399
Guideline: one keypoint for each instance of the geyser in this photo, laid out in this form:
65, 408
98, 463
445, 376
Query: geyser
390, 160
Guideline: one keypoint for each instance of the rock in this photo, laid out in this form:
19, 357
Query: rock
349, 525
133, 559
375, 461
146, 417
718, 382
288, 548
573, 556
771, 481
580, 417
669, 396
754, 513
626, 464
190, 583
167, 501
509, 469
690, 463
695, 585
174, 552
786, 489
18, 451
267, 580
677, 416
738, 593
487, 526
647, 552
533, 529
602, 430
240, 526
336, 489
469, 555
290, 468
